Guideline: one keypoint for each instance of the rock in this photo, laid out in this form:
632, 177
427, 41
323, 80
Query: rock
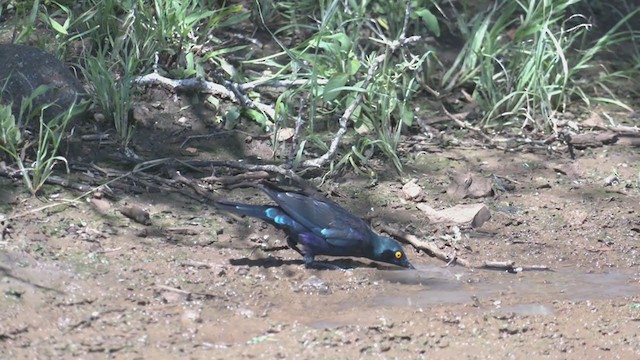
136, 214
175, 297
190, 151
314, 285
246, 313
191, 317
541, 183
468, 185
611, 180
503, 184
472, 214
24, 68
411, 190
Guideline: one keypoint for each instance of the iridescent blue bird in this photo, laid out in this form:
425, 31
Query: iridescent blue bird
320, 227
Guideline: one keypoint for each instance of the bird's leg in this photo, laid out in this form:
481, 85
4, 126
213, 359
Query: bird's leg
308, 260
294, 245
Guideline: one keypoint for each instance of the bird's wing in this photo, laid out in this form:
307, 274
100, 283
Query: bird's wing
324, 218
272, 214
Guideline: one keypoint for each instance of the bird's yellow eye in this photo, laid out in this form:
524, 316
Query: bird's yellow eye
398, 255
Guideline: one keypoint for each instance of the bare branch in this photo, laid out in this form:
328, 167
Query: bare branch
293, 150
201, 85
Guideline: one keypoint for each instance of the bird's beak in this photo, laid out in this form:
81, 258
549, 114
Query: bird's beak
408, 265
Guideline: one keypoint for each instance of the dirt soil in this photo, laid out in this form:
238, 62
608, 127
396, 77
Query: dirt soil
80, 279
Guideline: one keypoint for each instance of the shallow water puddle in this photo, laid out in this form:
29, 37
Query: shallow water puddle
527, 293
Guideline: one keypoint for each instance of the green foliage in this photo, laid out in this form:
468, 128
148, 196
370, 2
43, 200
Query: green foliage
10, 136
112, 95
129, 36
51, 132
64, 22
521, 57
180, 25
329, 60
525, 60
390, 15
28, 20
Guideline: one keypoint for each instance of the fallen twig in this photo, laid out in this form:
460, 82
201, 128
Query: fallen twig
462, 125
293, 150
95, 137
201, 85
279, 83
173, 289
220, 133
196, 264
251, 167
225, 180
16, 174
426, 246
91, 318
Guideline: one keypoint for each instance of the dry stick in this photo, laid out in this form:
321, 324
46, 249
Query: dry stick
91, 318
465, 126
200, 85
279, 83
258, 172
252, 167
194, 164
201, 195
407, 16
428, 247
220, 133
434, 251
293, 150
16, 174
344, 120
176, 179
173, 289
196, 264
233, 179
233, 87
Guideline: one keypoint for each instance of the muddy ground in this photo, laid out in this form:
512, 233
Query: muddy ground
82, 280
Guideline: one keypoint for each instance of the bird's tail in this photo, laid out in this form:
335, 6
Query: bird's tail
257, 211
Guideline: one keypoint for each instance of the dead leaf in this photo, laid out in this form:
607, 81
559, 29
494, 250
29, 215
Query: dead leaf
285, 134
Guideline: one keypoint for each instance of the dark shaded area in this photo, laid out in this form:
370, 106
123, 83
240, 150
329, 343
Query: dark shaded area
24, 68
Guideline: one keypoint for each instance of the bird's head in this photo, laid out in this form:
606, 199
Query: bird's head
388, 250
